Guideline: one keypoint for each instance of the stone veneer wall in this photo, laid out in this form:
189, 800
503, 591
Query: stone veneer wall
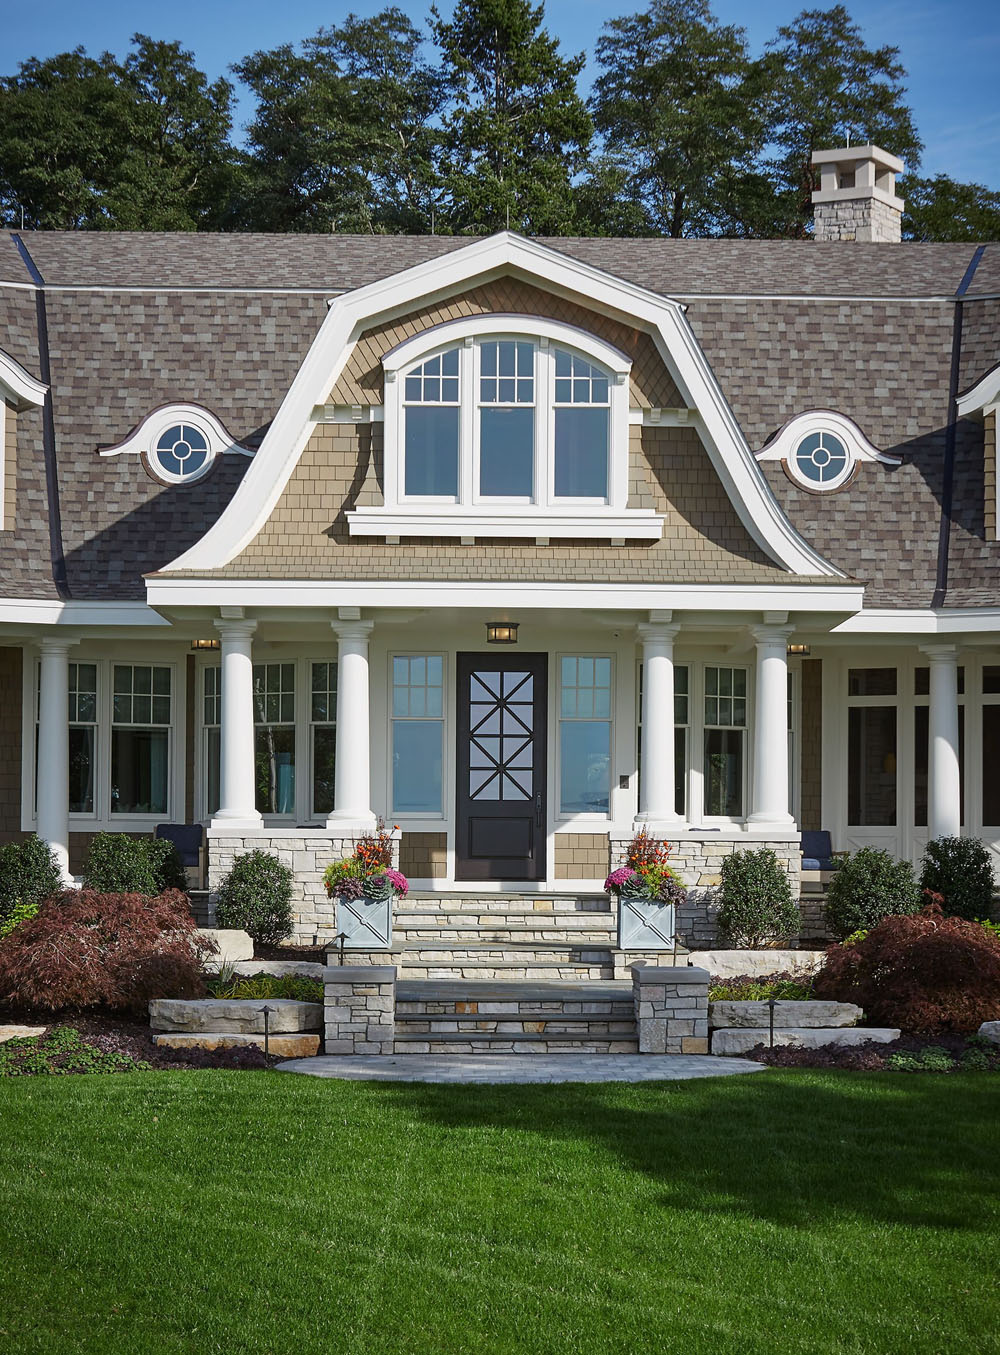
863, 219
671, 1009
697, 859
359, 1008
308, 851
581, 856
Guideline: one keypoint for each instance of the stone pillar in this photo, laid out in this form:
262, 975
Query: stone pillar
52, 789
769, 802
671, 1009
352, 776
944, 781
656, 783
237, 781
360, 1008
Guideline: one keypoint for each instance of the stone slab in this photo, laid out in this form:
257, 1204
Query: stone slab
672, 974
300, 969
728, 1042
234, 1015
519, 1068
294, 1046
816, 1014
233, 945
990, 1030
728, 964
20, 1032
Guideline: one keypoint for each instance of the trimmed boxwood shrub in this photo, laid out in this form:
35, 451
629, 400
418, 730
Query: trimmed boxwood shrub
256, 897
757, 904
29, 873
923, 973
960, 869
118, 951
869, 886
119, 864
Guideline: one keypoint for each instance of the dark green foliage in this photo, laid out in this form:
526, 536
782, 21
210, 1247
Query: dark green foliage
960, 869
62, 1051
941, 209
256, 897
119, 864
756, 898
749, 988
869, 886
28, 874
248, 986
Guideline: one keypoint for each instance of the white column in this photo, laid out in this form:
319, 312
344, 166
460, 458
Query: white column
352, 775
944, 783
656, 782
52, 790
237, 780
769, 803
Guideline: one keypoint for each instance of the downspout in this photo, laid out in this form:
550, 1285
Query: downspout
948, 469
56, 553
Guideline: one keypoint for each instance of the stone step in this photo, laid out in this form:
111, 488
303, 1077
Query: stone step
605, 1009
572, 928
486, 1043
516, 1027
738, 1041
297, 1045
419, 901
757, 1015
234, 1015
511, 969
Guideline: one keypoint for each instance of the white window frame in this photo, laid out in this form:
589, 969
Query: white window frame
471, 515
556, 812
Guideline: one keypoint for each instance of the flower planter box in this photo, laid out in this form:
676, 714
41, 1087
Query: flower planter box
366, 923
645, 924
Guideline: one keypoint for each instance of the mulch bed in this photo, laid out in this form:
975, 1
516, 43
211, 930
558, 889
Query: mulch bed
874, 1057
315, 953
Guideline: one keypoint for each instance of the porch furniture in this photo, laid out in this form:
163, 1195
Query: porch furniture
819, 862
189, 839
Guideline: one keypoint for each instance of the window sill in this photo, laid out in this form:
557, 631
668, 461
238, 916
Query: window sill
637, 524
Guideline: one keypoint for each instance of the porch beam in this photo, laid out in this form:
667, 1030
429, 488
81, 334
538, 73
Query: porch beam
52, 787
352, 773
237, 800
656, 782
944, 780
769, 802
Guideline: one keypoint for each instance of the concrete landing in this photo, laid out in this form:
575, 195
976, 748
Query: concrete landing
513, 1068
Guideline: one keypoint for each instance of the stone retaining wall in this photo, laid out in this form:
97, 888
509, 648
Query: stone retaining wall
360, 1009
308, 851
697, 859
671, 1009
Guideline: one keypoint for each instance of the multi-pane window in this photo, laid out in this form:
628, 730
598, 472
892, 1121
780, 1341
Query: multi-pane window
584, 735
417, 733
140, 738
725, 741
507, 419
431, 415
871, 747
323, 734
212, 720
82, 736
582, 428
274, 743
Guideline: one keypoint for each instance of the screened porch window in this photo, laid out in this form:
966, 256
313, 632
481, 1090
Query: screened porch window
82, 736
212, 720
725, 741
274, 737
140, 738
871, 747
323, 735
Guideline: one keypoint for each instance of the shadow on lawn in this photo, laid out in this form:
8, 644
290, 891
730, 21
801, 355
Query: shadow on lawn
915, 1150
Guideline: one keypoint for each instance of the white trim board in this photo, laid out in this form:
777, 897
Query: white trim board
19, 386
505, 254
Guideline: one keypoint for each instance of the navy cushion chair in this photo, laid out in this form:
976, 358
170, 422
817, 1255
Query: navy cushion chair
817, 850
189, 839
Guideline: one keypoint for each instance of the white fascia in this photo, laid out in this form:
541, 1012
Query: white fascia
503, 254
32, 612
985, 394
923, 621
18, 386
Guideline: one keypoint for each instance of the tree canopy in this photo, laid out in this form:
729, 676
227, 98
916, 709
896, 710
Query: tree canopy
470, 123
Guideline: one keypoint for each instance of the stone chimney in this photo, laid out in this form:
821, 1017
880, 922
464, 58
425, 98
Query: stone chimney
856, 199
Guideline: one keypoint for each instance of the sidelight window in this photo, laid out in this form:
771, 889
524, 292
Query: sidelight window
417, 733
584, 735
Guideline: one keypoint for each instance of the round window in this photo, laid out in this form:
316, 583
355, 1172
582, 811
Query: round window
181, 452
821, 460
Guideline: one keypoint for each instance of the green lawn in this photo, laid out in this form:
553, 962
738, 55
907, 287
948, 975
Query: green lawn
217, 1211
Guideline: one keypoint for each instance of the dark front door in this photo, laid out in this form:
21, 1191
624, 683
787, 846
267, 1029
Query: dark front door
501, 767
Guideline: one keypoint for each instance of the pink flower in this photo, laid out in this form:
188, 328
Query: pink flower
618, 877
399, 882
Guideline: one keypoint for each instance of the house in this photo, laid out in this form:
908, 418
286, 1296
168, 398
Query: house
516, 544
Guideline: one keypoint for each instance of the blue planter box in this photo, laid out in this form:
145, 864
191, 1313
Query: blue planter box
366, 923
645, 924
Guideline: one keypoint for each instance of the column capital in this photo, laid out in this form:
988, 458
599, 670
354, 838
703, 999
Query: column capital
940, 653
232, 628
651, 632
57, 644
352, 630
771, 635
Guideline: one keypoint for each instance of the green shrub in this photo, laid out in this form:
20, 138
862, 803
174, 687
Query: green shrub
869, 886
254, 986
256, 897
756, 898
992, 927
119, 864
29, 873
21, 912
960, 869
933, 1059
750, 989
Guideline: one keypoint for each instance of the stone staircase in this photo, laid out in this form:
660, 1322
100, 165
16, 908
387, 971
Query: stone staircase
457, 1016
516, 937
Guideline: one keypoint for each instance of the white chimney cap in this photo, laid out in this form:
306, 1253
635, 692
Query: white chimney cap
852, 154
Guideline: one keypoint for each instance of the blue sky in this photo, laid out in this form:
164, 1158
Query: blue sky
950, 48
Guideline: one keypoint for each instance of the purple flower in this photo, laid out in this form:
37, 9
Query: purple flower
399, 882
619, 877
349, 887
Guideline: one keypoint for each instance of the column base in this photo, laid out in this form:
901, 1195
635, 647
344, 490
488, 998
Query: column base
782, 823
660, 823
350, 822
236, 823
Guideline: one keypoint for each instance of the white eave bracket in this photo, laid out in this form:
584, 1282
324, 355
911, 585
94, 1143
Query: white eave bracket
18, 386
983, 396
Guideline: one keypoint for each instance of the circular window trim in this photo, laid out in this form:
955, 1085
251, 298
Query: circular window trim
144, 441
155, 466
785, 445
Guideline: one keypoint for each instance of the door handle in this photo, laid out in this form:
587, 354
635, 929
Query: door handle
538, 809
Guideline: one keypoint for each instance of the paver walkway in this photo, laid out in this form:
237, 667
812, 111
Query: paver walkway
519, 1067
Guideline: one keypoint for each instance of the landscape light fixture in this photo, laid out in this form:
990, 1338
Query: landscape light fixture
501, 632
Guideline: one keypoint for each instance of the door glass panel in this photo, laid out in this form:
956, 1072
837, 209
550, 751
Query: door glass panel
871, 765
501, 757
